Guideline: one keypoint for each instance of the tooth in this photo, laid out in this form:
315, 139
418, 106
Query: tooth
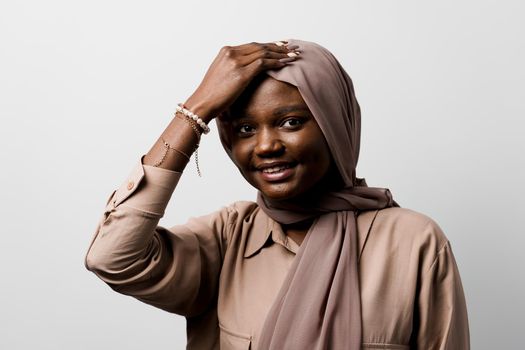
275, 169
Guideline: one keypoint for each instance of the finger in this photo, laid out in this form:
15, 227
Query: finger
262, 64
248, 59
250, 48
248, 45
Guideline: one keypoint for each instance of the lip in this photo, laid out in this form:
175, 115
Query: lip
267, 165
280, 175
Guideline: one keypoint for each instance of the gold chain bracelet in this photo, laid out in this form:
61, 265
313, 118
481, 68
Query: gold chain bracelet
198, 134
167, 147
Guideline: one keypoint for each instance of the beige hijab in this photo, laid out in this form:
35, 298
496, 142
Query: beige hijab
318, 305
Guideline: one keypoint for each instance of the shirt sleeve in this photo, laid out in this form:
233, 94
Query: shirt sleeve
442, 321
175, 269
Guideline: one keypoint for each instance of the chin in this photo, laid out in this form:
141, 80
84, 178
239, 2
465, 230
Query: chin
278, 191
279, 194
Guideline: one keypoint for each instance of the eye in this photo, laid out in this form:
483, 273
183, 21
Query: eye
292, 123
244, 129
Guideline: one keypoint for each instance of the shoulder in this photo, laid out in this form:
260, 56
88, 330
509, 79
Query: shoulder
242, 210
410, 223
231, 212
246, 207
223, 222
224, 218
401, 227
240, 213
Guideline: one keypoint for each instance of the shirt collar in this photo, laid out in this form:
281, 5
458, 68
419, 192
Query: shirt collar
263, 229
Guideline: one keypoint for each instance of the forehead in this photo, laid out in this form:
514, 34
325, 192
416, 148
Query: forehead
266, 94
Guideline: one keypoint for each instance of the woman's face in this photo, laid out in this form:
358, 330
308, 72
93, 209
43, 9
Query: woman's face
276, 142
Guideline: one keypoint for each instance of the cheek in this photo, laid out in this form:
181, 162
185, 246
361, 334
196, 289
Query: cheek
315, 149
240, 156
322, 161
319, 157
323, 154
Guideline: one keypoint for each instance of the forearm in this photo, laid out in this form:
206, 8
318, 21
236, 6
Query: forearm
182, 135
133, 212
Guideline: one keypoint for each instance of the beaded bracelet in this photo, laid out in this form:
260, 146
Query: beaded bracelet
191, 123
180, 108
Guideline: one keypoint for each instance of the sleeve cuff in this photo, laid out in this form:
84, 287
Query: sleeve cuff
147, 189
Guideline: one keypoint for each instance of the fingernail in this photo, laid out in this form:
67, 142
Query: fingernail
293, 54
287, 59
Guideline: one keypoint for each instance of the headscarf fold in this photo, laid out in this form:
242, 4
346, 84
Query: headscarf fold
319, 305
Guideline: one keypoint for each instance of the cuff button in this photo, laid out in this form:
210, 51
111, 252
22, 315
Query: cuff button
130, 185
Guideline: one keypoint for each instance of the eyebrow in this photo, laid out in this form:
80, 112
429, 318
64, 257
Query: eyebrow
287, 109
281, 111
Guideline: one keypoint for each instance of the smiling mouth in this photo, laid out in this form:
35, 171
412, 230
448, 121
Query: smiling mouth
277, 173
276, 169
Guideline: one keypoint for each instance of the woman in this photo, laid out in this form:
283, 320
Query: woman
321, 261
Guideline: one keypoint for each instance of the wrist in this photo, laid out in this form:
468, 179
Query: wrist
202, 109
181, 108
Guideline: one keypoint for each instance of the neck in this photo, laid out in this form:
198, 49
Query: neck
297, 231
332, 182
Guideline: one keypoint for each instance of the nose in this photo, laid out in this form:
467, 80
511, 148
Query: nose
269, 143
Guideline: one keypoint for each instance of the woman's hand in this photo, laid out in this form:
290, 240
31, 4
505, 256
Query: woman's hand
231, 72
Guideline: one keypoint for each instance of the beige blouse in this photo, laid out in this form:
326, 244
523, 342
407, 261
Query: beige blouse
222, 271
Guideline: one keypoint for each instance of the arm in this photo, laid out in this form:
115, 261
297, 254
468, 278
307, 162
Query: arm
442, 311
174, 269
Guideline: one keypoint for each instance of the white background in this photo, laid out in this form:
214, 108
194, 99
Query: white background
86, 88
